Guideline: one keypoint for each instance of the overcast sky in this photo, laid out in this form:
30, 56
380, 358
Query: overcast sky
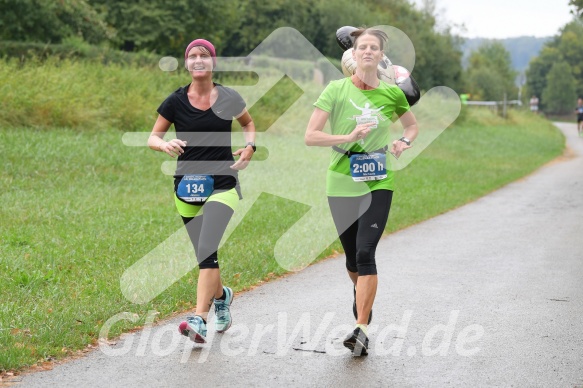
504, 18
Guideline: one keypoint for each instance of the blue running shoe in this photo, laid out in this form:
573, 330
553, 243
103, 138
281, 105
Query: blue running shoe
194, 328
222, 311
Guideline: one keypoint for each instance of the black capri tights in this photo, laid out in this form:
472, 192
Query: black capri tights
206, 231
360, 222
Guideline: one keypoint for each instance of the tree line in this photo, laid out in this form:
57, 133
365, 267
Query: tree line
556, 75
236, 27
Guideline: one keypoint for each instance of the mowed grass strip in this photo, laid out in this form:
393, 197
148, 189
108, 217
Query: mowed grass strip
480, 153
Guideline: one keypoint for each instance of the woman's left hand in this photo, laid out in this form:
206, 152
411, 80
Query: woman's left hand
398, 148
245, 157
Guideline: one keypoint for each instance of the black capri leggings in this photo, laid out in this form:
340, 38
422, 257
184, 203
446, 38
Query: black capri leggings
360, 222
206, 231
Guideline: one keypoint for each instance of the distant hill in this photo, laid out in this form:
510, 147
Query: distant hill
521, 49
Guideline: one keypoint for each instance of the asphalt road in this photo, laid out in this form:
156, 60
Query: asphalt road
490, 294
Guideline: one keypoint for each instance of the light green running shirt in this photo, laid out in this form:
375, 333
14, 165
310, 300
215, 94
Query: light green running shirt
349, 106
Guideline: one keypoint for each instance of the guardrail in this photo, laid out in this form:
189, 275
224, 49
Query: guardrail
499, 106
494, 103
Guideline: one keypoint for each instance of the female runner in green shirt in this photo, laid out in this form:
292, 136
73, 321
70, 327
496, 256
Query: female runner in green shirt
358, 185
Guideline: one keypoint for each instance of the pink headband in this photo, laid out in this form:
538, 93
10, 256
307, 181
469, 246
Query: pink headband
204, 43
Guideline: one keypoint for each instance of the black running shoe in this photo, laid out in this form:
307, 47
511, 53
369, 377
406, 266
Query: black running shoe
357, 342
356, 313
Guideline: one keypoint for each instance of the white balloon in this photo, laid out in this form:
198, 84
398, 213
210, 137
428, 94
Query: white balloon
168, 63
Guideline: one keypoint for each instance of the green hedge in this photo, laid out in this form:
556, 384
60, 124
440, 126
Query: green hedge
73, 49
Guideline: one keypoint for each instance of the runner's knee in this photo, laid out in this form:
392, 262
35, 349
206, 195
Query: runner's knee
351, 264
210, 262
365, 261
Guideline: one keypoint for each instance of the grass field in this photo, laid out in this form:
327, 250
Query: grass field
79, 208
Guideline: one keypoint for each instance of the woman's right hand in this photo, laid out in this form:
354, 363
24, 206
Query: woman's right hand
173, 147
360, 132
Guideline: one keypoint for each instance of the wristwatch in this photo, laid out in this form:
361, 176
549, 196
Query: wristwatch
405, 140
252, 146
